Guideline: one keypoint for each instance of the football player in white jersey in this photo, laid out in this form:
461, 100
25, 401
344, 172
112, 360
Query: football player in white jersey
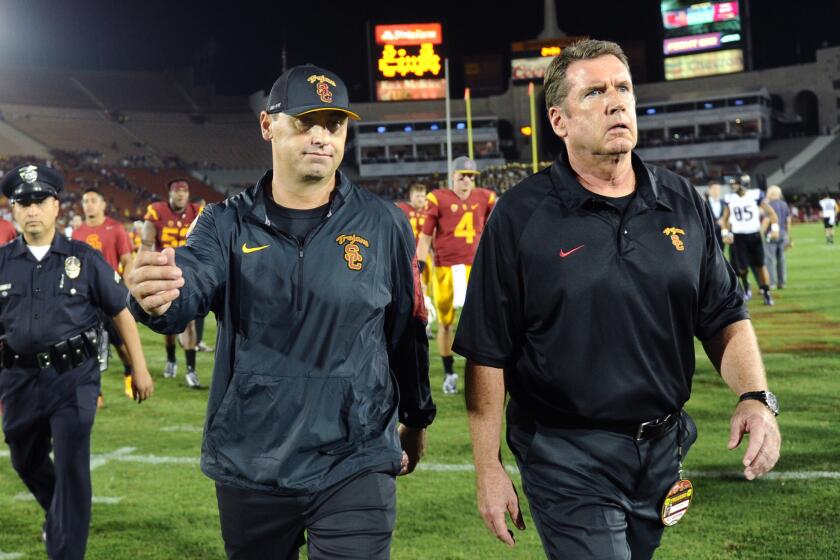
742, 228
829, 208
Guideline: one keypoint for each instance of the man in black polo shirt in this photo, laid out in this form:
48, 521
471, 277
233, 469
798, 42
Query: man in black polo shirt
590, 283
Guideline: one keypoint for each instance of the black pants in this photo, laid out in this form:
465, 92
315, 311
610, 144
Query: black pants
594, 493
748, 251
46, 411
351, 520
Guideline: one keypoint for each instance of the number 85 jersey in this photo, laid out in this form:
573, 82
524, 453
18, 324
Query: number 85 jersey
170, 227
457, 224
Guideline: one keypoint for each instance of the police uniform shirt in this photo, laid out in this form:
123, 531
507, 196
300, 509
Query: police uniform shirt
43, 303
591, 311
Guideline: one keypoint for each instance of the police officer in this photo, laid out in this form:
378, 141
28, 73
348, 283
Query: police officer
51, 290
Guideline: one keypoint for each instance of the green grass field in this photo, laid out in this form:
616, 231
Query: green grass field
166, 509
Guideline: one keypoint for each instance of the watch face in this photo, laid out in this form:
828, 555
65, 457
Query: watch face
772, 402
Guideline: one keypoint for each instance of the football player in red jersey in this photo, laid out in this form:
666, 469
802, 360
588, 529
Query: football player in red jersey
109, 237
7, 231
415, 208
167, 225
415, 211
455, 219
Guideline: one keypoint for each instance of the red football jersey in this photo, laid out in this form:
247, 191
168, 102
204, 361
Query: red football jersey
171, 228
415, 217
457, 224
110, 239
7, 231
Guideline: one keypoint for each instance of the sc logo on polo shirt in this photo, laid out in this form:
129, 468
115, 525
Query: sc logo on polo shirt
352, 251
675, 233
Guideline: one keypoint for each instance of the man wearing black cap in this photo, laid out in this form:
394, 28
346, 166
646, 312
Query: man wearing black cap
321, 348
51, 292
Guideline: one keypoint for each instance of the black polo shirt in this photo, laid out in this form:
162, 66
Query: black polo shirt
592, 311
43, 303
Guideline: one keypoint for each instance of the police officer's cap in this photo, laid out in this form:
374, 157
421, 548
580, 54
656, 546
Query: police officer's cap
31, 182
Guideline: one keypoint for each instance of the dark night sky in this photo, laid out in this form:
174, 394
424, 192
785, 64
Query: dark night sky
246, 40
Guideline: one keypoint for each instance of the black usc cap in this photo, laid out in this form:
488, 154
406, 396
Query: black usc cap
306, 89
31, 182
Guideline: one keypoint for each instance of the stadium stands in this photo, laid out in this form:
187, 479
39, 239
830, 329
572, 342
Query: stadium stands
223, 140
71, 129
149, 91
776, 153
819, 174
26, 86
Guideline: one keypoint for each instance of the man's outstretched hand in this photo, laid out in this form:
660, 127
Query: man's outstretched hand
155, 281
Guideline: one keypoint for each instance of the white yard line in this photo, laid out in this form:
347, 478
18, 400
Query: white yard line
125, 455
97, 461
156, 460
107, 500
182, 428
699, 474
10, 555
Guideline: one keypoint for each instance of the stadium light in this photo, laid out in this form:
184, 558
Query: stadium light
525, 130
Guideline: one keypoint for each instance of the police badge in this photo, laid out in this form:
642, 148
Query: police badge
72, 266
29, 174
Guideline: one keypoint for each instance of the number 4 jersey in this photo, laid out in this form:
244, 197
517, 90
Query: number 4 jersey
459, 224
171, 228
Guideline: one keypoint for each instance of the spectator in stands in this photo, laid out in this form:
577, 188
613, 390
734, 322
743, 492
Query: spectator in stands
775, 254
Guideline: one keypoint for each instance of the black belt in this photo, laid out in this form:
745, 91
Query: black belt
62, 356
651, 429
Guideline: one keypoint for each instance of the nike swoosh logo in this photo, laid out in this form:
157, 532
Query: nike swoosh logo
246, 249
565, 254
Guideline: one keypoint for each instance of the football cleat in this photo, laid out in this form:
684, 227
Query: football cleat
768, 299
171, 370
201, 347
748, 295
192, 379
450, 384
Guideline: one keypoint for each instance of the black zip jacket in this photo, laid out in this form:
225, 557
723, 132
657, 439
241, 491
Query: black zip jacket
321, 345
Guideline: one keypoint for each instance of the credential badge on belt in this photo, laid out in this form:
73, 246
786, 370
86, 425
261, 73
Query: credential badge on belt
679, 497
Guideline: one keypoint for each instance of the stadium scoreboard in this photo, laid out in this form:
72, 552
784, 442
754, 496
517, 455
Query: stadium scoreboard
530, 59
701, 38
407, 61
